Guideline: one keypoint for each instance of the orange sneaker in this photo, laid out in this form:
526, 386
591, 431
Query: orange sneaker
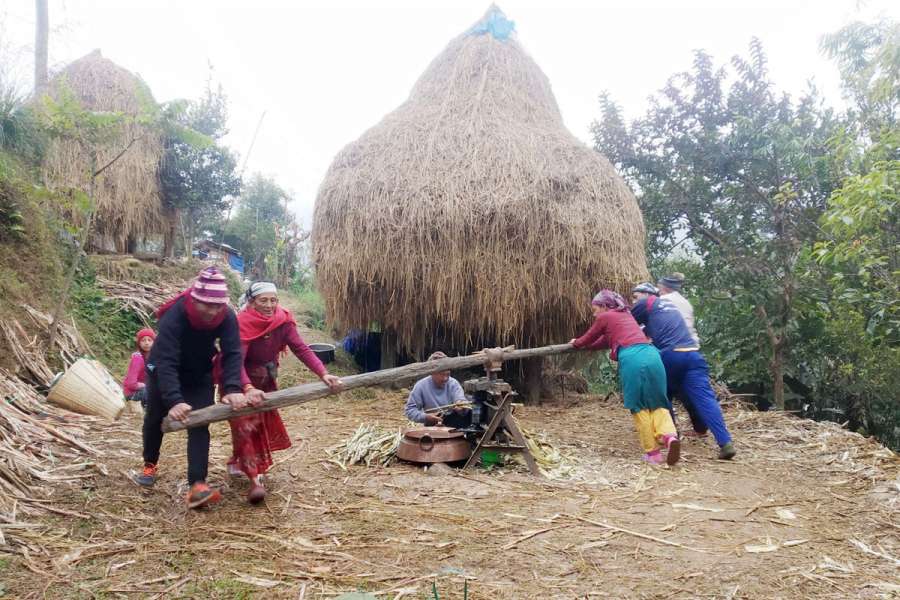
148, 476
202, 495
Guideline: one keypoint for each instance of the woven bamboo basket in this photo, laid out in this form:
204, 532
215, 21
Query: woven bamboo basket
89, 389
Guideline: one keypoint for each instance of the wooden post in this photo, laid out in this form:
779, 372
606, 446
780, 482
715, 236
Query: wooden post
388, 348
314, 391
533, 369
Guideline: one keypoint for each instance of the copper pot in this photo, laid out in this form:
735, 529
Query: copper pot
433, 445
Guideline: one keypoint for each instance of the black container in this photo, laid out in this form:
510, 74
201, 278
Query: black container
325, 352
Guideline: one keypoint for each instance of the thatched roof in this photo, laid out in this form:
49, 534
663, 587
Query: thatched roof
128, 201
470, 213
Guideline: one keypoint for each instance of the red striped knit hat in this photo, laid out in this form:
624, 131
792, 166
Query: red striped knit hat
210, 287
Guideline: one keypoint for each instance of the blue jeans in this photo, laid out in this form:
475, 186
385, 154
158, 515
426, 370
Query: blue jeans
687, 375
139, 396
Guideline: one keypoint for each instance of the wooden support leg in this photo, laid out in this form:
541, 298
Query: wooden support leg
519, 438
489, 433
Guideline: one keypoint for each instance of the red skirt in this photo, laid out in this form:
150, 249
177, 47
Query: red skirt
255, 437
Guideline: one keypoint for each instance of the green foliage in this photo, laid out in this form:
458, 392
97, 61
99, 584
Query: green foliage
783, 216
108, 328
860, 252
65, 117
30, 259
12, 223
736, 174
868, 58
852, 355
198, 174
21, 140
311, 303
258, 224
602, 375
861, 257
846, 378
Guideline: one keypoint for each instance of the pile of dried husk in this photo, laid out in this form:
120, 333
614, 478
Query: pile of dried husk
40, 449
128, 204
470, 216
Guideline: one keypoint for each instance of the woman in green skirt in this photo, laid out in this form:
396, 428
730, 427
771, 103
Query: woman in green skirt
642, 376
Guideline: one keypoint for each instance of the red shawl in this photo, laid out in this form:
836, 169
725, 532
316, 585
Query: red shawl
254, 324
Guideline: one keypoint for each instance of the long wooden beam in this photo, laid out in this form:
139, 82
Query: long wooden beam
313, 391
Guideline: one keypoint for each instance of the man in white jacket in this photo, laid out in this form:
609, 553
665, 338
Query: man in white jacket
670, 289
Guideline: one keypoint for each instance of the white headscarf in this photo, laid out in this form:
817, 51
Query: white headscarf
255, 289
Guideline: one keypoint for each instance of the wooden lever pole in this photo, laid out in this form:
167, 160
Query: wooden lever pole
313, 391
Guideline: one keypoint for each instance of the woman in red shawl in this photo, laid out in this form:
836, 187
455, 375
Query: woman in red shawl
267, 330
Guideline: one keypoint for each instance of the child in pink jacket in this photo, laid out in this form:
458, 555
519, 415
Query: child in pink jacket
134, 386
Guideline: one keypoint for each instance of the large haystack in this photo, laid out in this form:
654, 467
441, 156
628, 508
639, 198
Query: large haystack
470, 214
127, 195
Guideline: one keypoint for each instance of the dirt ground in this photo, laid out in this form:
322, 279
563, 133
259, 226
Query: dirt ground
806, 510
800, 513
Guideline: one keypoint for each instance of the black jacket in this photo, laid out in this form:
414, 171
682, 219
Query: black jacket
181, 357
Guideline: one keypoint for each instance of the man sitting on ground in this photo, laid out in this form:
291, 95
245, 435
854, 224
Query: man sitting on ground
432, 397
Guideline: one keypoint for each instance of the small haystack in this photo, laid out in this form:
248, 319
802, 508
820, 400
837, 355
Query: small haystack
127, 195
470, 215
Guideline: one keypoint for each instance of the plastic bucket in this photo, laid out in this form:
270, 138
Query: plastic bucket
325, 352
490, 458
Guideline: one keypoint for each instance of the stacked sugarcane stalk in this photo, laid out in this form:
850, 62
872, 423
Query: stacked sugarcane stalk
140, 298
39, 445
30, 350
368, 445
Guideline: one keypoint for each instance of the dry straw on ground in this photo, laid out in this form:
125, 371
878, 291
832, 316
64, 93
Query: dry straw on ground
41, 450
471, 214
127, 195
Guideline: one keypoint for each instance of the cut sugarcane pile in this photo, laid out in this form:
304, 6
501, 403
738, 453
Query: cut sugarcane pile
41, 448
369, 445
30, 351
140, 298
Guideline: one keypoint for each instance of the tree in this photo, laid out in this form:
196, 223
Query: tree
41, 37
66, 118
198, 179
739, 175
861, 249
857, 375
259, 225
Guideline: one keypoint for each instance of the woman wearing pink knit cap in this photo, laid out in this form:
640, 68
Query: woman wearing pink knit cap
179, 375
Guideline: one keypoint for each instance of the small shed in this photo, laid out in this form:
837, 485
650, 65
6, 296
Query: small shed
212, 250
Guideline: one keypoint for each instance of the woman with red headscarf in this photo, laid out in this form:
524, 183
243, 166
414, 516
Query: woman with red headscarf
267, 330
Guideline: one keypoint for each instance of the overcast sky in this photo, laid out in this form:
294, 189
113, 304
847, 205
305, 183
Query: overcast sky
324, 72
